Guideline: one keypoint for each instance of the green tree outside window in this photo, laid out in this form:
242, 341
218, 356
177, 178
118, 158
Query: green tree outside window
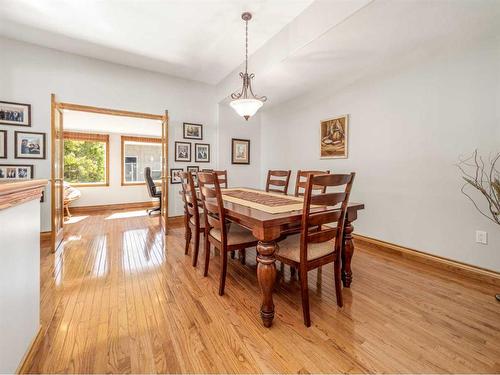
84, 161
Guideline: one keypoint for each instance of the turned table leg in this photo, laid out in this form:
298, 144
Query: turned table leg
347, 253
266, 274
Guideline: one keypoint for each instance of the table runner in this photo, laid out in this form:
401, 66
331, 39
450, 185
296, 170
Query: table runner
272, 203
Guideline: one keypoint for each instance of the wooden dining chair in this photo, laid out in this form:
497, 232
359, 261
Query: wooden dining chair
318, 244
300, 182
222, 176
194, 221
277, 181
219, 232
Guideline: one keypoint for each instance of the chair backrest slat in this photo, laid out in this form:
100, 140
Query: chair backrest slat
213, 205
189, 197
326, 217
274, 179
301, 182
328, 199
312, 230
222, 177
322, 235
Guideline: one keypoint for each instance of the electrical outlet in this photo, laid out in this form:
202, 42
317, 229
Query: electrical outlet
482, 237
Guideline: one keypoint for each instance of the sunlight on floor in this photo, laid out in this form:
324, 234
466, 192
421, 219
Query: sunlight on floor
124, 215
75, 219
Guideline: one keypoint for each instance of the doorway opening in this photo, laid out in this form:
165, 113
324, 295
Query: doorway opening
106, 158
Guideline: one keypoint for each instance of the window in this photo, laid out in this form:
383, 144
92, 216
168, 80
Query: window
86, 159
137, 154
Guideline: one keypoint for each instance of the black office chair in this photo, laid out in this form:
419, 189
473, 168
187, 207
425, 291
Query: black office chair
152, 190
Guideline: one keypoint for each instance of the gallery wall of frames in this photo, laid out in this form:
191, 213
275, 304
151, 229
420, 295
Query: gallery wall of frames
188, 152
19, 142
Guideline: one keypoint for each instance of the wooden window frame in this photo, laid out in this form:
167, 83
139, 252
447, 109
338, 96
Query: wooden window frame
104, 138
125, 138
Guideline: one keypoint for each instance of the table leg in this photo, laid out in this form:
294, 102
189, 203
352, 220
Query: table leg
266, 274
347, 253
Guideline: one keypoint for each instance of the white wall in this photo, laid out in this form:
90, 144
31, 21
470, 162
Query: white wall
407, 130
31, 73
233, 126
19, 282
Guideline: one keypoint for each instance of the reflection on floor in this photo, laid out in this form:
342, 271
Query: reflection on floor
119, 297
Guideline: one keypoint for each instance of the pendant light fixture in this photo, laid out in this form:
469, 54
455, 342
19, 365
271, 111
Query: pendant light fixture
245, 102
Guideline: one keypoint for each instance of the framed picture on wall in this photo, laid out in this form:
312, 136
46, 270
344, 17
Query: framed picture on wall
16, 172
175, 175
194, 169
3, 144
192, 131
17, 114
202, 152
182, 151
29, 145
240, 151
334, 137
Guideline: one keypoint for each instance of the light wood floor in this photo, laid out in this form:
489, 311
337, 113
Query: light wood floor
116, 298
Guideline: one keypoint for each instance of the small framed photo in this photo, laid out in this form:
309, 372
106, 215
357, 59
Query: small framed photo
182, 151
192, 131
240, 151
29, 145
16, 172
3, 144
207, 170
194, 169
17, 114
202, 152
334, 137
175, 175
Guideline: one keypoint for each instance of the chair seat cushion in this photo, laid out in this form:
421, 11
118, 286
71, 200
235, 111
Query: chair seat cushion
236, 235
202, 221
289, 248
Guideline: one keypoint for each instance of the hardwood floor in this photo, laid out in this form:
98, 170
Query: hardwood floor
117, 297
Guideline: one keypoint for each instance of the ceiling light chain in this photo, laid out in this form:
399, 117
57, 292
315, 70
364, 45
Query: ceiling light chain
243, 104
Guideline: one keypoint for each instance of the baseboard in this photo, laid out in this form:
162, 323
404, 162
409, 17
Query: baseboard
176, 220
45, 236
30, 353
109, 207
478, 273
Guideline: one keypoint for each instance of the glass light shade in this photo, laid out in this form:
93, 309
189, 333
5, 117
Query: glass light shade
246, 107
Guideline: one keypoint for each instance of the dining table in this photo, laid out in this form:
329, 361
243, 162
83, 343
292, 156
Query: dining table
270, 216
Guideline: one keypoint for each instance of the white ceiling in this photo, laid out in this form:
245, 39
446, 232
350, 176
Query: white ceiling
197, 39
371, 38
99, 123
296, 46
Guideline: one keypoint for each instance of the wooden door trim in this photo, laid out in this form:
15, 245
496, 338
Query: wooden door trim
109, 111
164, 170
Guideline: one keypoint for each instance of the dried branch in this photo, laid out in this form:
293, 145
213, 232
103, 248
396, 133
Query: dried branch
484, 179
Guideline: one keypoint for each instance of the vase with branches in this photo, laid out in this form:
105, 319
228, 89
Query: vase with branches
483, 177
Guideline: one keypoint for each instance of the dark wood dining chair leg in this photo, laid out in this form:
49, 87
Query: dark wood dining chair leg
338, 282
207, 255
243, 255
232, 254
223, 271
196, 246
293, 272
304, 289
188, 239
347, 253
